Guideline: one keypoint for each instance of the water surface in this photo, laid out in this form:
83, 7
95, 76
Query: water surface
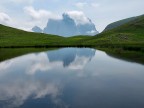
71, 78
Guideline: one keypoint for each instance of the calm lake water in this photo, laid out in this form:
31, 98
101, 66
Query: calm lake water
71, 78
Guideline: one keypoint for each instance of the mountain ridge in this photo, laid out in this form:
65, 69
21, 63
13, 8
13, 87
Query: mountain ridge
129, 34
119, 23
67, 27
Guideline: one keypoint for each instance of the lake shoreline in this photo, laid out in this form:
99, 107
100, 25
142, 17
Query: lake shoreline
121, 53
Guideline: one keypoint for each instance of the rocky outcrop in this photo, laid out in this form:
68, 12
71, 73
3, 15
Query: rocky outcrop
67, 27
37, 29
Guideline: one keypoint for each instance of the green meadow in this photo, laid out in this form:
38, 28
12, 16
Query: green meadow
126, 41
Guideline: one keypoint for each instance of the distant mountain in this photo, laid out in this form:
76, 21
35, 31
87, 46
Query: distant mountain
130, 34
63, 27
126, 40
37, 29
130, 24
87, 29
68, 27
119, 23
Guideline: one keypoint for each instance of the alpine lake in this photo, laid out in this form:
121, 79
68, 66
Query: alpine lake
71, 78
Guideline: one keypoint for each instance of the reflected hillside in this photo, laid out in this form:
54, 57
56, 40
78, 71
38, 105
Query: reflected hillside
31, 76
70, 78
137, 57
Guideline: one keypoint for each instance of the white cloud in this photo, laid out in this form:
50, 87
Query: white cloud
19, 90
5, 19
40, 62
92, 32
78, 16
79, 62
37, 14
38, 17
5, 66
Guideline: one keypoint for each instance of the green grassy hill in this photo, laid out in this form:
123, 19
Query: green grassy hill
125, 41
11, 37
131, 33
119, 23
14, 37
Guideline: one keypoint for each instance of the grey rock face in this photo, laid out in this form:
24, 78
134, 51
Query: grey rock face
87, 29
64, 27
67, 27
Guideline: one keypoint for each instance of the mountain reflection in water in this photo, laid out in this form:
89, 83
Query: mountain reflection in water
71, 56
71, 78
19, 81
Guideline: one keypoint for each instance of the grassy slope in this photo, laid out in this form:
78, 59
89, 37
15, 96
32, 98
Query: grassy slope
119, 23
11, 37
7, 53
14, 37
126, 41
131, 33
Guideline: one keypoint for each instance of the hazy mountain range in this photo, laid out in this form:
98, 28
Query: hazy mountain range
67, 27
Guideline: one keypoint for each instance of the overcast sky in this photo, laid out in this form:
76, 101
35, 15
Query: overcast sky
25, 14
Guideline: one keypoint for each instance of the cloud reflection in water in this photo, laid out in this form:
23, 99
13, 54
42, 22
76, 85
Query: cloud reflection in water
22, 77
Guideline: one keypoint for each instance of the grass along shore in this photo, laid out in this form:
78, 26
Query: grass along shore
126, 40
